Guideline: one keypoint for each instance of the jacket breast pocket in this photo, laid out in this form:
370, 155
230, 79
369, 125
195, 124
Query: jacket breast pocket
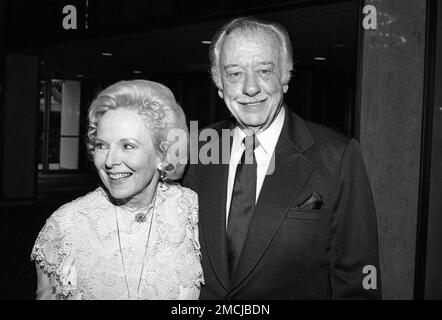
302, 240
307, 214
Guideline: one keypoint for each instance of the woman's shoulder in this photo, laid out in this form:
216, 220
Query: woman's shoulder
64, 226
187, 201
177, 191
84, 205
189, 193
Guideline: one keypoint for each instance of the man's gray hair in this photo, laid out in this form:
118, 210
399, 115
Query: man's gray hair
251, 24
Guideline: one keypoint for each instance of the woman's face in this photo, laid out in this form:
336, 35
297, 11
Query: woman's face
125, 156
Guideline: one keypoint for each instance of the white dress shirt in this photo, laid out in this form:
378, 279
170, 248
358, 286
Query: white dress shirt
263, 154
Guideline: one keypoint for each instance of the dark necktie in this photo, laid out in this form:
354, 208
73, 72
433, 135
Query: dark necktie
242, 204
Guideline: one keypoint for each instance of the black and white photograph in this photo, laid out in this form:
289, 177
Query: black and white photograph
225, 154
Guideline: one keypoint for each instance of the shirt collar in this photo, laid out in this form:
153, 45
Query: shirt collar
267, 138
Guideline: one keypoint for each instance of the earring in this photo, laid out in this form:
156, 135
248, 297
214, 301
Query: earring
166, 170
164, 146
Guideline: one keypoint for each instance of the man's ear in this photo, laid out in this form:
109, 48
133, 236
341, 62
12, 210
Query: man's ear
221, 93
285, 88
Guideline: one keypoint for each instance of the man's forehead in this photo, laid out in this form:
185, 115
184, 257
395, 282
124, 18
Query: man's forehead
259, 45
252, 34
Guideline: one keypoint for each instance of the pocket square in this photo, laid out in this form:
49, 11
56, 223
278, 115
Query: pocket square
314, 201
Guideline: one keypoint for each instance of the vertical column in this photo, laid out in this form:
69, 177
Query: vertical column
433, 280
19, 120
70, 124
390, 132
2, 79
2, 34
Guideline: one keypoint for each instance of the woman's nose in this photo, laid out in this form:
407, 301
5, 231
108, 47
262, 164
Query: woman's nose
251, 86
113, 158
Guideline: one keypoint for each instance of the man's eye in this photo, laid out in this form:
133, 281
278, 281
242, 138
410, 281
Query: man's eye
234, 75
265, 72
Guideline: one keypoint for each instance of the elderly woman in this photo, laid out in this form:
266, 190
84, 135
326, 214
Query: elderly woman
136, 236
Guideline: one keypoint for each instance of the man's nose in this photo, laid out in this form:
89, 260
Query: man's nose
113, 158
251, 86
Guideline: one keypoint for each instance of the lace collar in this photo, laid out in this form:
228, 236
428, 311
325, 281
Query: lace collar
159, 197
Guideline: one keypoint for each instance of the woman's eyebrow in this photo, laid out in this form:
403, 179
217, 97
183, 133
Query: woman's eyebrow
130, 140
99, 139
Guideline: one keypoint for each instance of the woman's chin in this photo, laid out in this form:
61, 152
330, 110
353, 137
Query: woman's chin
119, 194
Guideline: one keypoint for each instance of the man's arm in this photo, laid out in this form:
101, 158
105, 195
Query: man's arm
355, 272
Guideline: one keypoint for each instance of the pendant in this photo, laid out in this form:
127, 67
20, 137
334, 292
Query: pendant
141, 217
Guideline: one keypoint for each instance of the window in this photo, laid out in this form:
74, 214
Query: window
59, 125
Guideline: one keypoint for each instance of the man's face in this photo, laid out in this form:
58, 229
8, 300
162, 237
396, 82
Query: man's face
251, 78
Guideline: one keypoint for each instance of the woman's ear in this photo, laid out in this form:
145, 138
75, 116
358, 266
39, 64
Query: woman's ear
164, 146
162, 154
221, 93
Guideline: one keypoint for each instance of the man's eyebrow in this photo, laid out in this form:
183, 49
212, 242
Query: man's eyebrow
227, 66
267, 63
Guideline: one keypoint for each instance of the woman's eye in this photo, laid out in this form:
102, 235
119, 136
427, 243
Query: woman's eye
99, 146
128, 147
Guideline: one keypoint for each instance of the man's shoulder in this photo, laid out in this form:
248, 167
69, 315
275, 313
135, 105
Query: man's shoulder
327, 143
324, 135
329, 147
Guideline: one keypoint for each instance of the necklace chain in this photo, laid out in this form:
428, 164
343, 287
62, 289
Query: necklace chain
145, 249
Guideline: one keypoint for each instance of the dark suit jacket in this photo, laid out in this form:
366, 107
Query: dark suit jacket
293, 253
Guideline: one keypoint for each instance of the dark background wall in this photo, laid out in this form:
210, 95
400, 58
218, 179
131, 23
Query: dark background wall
19, 123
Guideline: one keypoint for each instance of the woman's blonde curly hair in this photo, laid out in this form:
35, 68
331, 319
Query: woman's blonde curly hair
163, 117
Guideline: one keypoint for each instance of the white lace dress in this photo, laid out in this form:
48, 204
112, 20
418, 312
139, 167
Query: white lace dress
78, 254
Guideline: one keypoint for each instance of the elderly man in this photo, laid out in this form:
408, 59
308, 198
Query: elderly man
297, 220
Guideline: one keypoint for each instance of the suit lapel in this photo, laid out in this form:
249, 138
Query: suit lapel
278, 193
213, 187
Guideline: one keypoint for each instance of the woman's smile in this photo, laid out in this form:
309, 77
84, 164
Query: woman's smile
118, 177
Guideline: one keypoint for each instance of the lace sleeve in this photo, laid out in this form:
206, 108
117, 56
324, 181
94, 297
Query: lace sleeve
193, 217
192, 226
47, 246
54, 254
